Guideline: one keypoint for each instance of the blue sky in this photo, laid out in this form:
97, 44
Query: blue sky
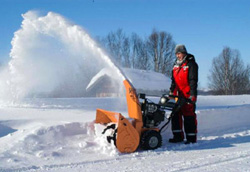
204, 26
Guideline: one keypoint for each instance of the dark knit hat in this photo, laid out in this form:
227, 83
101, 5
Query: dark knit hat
180, 49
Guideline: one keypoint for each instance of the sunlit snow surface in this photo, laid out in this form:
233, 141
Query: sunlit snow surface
60, 135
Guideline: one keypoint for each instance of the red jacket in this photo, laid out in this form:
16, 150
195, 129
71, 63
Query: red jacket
185, 78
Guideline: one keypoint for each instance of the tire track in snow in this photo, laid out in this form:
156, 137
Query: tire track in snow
78, 165
140, 157
201, 167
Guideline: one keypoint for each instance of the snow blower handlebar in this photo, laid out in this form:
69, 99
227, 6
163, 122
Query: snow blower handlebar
180, 101
165, 98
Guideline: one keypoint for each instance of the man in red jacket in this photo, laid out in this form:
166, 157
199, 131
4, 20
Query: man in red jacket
184, 84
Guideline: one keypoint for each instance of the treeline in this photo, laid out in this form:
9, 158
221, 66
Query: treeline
153, 52
228, 75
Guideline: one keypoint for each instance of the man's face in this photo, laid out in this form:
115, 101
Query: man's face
180, 56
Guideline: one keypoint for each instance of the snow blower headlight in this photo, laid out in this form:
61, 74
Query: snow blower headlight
163, 100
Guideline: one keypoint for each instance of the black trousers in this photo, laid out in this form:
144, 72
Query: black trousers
187, 116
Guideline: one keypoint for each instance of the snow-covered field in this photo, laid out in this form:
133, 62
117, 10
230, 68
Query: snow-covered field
59, 135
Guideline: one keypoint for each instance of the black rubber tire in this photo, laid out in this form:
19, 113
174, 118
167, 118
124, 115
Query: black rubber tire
150, 140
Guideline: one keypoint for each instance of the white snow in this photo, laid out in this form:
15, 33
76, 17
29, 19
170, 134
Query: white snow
147, 80
60, 135
141, 79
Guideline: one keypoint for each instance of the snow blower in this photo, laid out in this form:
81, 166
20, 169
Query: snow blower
142, 131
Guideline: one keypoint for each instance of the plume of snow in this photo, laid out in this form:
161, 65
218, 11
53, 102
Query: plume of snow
50, 56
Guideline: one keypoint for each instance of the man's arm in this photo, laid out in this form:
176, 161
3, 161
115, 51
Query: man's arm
172, 86
193, 78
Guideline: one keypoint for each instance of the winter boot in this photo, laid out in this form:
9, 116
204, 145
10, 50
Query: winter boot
190, 139
178, 137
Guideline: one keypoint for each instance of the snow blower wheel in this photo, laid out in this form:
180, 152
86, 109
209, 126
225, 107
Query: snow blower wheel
150, 140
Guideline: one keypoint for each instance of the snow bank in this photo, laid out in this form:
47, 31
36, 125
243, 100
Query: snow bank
53, 144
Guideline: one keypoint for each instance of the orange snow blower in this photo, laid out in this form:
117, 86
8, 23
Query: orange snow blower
142, 131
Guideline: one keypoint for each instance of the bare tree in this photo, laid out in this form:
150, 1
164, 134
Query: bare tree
228, 73
154, 52
153, 44
161, 50
113, 42
126, 53
140, 57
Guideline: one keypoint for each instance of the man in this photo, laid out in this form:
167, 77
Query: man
184, 84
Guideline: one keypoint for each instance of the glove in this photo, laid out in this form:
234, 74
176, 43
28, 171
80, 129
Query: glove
193, 99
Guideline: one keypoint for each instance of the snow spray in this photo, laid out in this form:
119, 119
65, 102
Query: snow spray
50, 56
